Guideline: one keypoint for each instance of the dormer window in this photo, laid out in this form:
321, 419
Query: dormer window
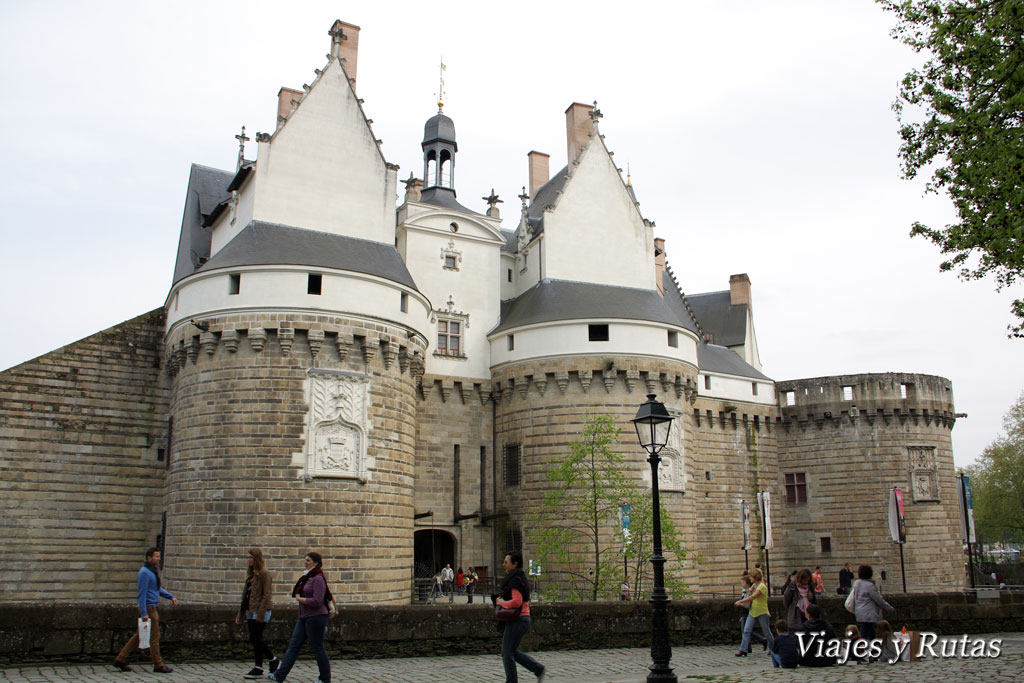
450, 263
450, 256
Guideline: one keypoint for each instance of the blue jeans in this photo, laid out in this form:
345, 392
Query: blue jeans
510, 654
748, 630
311, 629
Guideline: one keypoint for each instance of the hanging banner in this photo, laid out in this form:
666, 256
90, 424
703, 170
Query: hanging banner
764, 504
966, 509
897, 523
745, 523
624, 522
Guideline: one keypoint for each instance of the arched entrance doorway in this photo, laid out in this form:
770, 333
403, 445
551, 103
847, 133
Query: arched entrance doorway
432, 549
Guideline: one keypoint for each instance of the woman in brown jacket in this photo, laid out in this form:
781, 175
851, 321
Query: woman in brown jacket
257, 603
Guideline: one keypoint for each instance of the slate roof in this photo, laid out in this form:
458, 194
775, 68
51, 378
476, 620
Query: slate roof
207, 187
551, 300
715, 358
545, 197
727, 323
262, 243
444, 197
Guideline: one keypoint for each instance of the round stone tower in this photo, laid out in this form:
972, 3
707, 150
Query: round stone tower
844, 442
292, 428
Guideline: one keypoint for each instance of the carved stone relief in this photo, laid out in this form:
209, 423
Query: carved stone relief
924, 477
338, 425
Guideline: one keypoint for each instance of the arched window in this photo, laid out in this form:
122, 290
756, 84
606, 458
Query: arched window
430, 175
444, 178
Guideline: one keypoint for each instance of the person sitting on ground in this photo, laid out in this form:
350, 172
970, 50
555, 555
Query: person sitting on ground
816, 625
785, 649
852, 635
883, 631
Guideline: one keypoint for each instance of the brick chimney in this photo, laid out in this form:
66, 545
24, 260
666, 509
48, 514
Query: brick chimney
284, 103
578, 127
659, 264
345, 45
739, 290
540, 171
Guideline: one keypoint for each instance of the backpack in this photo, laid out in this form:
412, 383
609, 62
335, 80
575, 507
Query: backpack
851, 600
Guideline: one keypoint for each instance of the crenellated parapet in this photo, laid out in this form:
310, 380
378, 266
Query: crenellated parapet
875, 398
594, 376
321, 339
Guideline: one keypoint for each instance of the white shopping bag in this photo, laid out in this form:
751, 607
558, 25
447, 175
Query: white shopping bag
144, 627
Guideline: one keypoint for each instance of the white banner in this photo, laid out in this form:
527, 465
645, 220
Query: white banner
764, 504
745, 523
897, 523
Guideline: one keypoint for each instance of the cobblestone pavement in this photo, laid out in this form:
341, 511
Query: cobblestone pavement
711, 663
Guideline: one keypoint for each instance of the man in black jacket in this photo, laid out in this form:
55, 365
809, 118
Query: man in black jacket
845, 579
817, 641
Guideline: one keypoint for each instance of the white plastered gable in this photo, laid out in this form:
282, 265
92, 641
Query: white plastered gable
594, 231
323, 170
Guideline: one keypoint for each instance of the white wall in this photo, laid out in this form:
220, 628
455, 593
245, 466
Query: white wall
732, 388
423, 237
595, 233
571, 338
284, 288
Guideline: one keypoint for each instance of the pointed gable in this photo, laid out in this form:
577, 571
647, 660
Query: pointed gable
323, 169
593, 231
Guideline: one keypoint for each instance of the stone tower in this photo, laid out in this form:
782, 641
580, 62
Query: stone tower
294, 343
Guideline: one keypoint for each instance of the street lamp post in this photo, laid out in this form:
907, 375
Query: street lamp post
653, 424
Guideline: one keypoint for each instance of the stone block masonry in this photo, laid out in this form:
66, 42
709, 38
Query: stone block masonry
83, 431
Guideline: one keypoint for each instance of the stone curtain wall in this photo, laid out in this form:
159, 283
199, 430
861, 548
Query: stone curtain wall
852, 452
544, 407
734, 457
94, 632
243, 398
82, 487
454, 412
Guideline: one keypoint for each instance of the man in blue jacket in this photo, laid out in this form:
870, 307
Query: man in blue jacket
150, 592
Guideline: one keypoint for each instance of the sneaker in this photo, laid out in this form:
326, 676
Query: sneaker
255, 672
271, 677
274, 663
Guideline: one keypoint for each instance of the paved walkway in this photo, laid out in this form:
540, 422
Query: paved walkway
712, 663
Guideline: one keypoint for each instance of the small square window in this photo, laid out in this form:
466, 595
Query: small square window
673, 339
707, 382
403, 303
314, 285
234, 283
826, 544
753, 388
449, 262
510, 275
511, 342
848, 393
598, 333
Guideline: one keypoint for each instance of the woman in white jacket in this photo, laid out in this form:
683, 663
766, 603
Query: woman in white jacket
868, 602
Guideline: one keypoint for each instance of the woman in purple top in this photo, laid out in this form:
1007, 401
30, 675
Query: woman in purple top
313, 596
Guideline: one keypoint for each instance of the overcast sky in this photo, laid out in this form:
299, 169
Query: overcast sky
759, 136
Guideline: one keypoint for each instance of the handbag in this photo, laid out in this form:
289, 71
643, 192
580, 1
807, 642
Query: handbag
505, 614
851, 601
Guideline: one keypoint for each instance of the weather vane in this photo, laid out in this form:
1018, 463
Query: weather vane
440, 89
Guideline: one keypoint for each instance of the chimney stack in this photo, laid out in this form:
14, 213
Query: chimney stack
540, 171
578, 127
659, 264
739, 290
345, 46
284, 103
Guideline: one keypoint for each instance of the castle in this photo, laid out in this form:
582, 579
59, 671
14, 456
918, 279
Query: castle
389, 384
